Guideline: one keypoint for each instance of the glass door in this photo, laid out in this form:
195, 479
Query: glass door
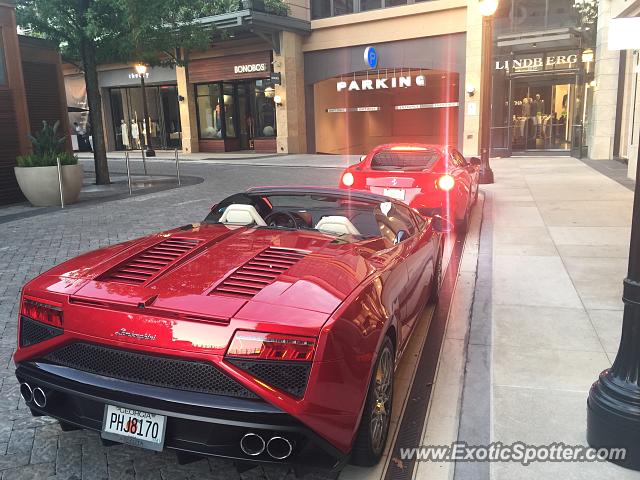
543, 114
245, 120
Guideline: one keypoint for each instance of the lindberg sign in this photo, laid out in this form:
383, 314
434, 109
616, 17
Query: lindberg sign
537, 63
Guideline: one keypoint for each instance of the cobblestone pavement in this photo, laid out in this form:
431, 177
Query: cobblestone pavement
36, 448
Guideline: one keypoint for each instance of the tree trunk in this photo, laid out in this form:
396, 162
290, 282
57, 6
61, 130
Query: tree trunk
88, 52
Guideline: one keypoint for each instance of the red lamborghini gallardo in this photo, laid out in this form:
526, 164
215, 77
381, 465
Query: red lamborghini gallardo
267, 333
433, 179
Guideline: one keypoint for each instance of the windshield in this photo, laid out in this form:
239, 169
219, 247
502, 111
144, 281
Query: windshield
337, 215
406, 161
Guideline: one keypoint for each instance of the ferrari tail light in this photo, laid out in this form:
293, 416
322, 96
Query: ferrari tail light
348, 179
446, 183
42, 312
271, 346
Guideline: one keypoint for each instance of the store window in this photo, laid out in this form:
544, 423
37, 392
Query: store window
265, 109
3, 69
370, 4
328, 8
341, 7
210, 112
241, 110
229, 110
127, 113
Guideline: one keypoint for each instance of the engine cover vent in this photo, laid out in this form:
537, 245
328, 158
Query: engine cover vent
147, 264
259, 272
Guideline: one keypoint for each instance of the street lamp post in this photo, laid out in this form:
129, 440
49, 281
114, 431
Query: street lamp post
613, 406
150, 152
487, 9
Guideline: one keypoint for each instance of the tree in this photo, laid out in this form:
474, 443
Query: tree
86, 31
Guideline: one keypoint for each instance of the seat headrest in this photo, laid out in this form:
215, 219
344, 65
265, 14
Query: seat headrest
239, 214
336, 225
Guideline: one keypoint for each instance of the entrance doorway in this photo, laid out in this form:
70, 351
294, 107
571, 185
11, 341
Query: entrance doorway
539, 113
128, 118
544, 114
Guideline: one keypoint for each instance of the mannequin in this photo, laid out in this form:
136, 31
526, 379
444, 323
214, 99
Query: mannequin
135, 134
124, 128
526, 106
538, 110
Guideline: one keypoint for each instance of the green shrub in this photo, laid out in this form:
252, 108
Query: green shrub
49, 160
276, 7
48, 146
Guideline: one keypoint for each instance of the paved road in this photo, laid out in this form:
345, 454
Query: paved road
35, 448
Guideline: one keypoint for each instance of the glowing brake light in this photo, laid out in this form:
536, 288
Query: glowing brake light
446, 183
271, 346
408, 148
41, 312
348, 179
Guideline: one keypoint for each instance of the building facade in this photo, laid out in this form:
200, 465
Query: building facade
627, 86
340, 76
31, 92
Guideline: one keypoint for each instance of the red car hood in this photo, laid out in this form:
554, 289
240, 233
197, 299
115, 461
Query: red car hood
177, 299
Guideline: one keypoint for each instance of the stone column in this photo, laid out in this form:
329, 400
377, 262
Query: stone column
633, 135
188, 115
471, 105
290, 116
605, 96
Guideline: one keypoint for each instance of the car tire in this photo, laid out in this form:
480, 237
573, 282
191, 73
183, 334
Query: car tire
371, 438
437, 280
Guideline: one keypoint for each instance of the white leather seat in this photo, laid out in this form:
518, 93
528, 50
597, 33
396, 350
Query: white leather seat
238, 214
336, 225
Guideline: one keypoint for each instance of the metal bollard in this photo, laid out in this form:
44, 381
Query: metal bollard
60, 182
144, 161
178, 167
126, 158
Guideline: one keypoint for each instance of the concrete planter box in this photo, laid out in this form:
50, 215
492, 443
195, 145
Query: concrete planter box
40, 184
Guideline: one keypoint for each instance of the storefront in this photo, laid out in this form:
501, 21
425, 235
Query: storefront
541, 101
543, 69
122, 99
235, 102
404, 91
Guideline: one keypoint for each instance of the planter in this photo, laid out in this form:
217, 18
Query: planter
40, 184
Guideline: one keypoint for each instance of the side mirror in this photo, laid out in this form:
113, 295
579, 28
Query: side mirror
401, 236
441, 224
362, 157
475, 161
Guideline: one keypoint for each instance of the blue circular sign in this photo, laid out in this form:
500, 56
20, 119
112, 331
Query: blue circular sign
370, 57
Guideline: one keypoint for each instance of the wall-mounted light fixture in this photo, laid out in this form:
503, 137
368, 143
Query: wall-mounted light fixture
471, 90
277, 100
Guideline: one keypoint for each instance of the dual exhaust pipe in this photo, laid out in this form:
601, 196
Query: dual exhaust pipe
276, 447
33, 395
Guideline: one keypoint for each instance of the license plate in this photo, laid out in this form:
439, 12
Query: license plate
134, 427
397, 193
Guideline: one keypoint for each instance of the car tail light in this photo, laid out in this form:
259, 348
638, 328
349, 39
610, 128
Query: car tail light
446, 183
271, 346
42, 312
348, 179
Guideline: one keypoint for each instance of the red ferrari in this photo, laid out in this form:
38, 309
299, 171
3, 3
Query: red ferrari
432, 179
267, 333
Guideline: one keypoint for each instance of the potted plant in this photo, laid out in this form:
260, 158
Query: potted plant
37, 172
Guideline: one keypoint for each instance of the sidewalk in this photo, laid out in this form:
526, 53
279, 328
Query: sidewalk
547, 312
